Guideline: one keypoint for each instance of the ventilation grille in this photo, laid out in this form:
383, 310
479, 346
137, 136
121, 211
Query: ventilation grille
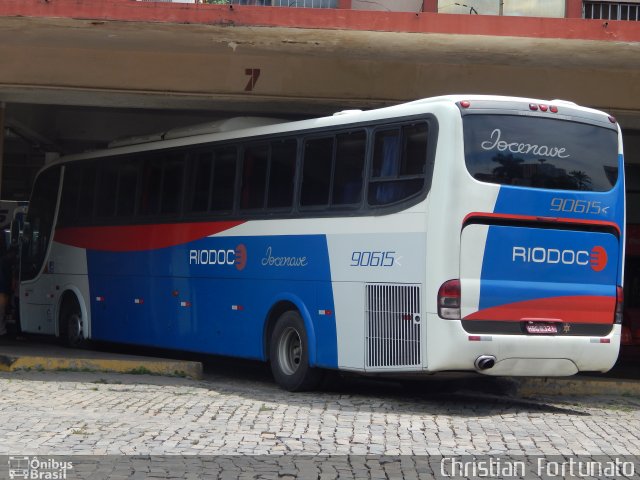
393, 325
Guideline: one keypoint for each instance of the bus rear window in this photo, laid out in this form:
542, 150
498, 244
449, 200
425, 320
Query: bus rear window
540, 152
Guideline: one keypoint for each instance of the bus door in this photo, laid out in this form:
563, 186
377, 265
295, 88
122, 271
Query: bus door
37, 285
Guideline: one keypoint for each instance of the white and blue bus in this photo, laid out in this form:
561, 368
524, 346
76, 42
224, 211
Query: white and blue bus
476, 233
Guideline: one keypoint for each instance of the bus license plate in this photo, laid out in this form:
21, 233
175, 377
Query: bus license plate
541, 328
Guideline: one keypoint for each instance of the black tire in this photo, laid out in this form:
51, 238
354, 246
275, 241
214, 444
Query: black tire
289, 355
71, 326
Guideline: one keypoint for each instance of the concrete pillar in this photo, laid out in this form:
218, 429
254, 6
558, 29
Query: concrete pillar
573, 9
2, 109
430, 6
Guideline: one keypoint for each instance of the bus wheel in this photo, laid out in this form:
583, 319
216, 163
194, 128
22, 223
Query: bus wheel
72, 326
289, 354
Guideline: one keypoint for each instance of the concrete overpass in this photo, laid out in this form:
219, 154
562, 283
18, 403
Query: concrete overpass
75, 74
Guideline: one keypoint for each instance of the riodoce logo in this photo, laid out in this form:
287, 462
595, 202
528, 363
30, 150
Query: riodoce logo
597, 259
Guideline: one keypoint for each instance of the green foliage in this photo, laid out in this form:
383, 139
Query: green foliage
140, 371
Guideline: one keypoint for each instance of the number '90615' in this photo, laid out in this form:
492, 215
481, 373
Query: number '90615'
570, 205
372, 259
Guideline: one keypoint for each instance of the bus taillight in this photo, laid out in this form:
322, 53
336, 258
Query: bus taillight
619, 305
449, 300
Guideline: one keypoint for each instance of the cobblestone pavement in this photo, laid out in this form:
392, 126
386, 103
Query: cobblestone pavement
63, 413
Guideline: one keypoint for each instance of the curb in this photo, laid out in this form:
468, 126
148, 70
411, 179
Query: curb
172, 368
529, 387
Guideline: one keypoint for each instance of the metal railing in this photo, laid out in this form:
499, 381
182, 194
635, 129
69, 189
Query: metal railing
306, 3
273, 3
266, 3
611, 10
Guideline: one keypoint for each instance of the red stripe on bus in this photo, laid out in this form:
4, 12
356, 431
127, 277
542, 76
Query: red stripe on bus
130, 238
574, 309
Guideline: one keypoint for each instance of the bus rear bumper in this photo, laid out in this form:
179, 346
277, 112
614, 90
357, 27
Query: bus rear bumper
520, 355
539, 367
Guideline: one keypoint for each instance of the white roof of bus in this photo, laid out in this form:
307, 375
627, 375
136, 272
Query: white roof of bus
346, 117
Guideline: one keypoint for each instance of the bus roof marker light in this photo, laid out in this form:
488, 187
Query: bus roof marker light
465, 103
612, 119
543, 108
553, 109
533, 107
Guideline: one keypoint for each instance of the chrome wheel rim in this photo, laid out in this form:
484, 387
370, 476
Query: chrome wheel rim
290, 351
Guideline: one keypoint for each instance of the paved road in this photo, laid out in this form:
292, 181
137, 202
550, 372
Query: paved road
243, 412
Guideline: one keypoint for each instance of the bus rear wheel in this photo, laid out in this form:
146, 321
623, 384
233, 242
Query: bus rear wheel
289, 354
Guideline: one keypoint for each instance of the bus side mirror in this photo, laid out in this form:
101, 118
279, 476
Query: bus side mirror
14, 233
26, 232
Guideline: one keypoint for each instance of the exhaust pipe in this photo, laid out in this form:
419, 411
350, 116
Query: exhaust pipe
485, 362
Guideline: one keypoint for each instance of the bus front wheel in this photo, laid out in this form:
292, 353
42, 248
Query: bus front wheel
289, 354
72, 331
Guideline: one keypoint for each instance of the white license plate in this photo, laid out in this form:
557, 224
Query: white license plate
541, 328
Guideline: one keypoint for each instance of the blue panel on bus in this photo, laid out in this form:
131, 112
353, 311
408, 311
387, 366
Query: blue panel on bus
577, 205
212, 295
602, 206
522, 264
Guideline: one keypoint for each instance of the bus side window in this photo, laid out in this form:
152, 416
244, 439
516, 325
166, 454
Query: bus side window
316, 172
224, 180
385, 153
87, 193
151, 186
414, 149
70, 195
399, 164
107, 188
172, 184
349, 169
127, 186
254, 177
202, 175
282, 173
